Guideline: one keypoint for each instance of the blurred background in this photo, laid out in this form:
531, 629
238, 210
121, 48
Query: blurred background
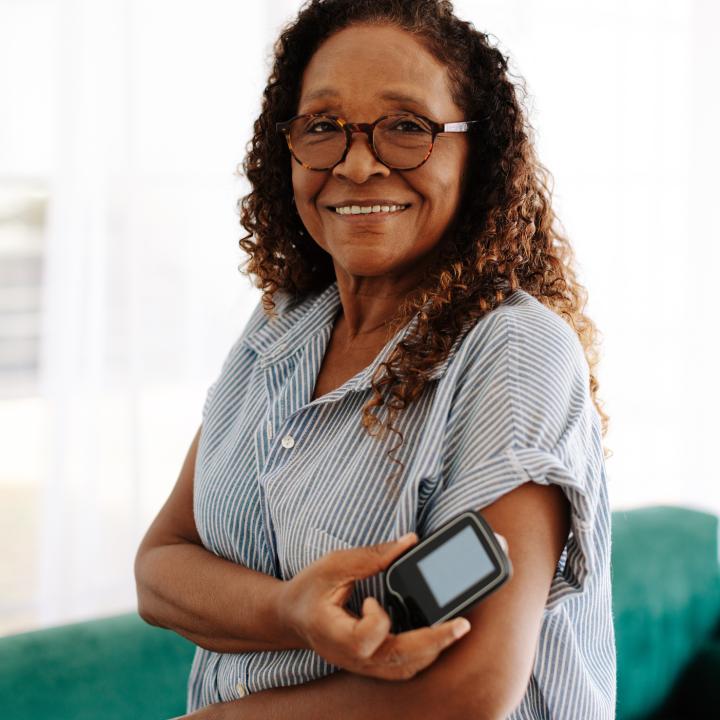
122, 125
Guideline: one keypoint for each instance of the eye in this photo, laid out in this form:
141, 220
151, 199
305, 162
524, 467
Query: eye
410, 126
315, 127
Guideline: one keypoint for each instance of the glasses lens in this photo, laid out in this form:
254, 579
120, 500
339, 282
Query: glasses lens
401, 141
318, 142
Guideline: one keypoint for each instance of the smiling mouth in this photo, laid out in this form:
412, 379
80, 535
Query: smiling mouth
380, 214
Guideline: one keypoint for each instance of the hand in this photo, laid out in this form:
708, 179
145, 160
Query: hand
313, 600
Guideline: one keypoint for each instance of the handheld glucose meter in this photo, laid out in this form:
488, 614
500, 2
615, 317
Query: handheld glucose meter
447, 572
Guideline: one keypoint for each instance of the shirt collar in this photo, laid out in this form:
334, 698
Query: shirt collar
297, 323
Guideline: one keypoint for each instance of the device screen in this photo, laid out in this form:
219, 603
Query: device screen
455, 566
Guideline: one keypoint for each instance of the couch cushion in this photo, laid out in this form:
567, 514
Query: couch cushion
118, 667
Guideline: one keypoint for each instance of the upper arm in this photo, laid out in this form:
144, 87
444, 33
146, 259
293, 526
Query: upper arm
523, 446
489, 669
176, 522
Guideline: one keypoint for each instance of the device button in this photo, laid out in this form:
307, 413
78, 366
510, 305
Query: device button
288, 441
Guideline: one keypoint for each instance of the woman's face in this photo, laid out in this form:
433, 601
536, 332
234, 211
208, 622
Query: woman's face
356, 66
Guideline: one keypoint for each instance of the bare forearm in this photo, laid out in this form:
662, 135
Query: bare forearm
345, 696
217, 604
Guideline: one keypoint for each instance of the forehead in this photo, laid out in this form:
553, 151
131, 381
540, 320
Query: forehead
380, 65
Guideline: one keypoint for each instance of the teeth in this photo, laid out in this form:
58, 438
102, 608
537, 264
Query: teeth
365, 210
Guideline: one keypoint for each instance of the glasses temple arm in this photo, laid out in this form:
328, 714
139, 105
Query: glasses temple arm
463, 126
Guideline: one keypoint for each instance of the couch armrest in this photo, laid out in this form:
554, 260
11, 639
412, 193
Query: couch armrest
666, 601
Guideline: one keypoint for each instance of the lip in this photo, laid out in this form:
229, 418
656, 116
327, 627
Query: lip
365, 202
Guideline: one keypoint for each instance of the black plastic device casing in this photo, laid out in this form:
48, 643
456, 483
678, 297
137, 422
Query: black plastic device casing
411, 602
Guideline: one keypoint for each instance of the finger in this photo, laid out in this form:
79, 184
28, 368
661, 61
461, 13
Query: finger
362, 562
355, 637
402, 656
413, 644
339, 629
373, 628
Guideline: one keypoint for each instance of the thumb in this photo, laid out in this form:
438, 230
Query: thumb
371, 559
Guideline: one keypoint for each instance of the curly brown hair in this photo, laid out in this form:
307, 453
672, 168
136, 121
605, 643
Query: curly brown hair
504, 236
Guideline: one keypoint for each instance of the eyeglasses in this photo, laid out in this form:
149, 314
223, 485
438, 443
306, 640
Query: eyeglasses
401, 141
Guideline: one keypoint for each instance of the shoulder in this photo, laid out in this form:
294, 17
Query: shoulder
260, 317
261, 323
528, 340
264, 330
538, 327
522, 378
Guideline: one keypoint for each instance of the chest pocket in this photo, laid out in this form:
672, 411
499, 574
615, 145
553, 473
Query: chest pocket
299, 549
321, 540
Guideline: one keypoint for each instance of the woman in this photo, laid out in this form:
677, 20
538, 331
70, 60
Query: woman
420, 349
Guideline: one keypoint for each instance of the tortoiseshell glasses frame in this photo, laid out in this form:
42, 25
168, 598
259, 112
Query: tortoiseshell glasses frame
369, 128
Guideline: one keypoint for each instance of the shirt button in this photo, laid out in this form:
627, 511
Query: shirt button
241, 690
288, 441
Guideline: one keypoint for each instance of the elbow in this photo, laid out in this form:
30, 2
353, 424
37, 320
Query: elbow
145, 615
142, 609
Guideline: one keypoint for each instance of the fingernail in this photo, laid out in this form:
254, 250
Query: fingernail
405, 537
460, 627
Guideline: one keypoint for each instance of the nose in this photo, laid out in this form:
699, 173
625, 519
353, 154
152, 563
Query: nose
360, 161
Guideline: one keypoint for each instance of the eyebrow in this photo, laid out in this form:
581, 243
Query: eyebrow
387, 95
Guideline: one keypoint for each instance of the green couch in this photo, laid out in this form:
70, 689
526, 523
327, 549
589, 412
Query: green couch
666, 609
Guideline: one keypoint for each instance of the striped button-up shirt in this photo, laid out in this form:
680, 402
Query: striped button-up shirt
281, 479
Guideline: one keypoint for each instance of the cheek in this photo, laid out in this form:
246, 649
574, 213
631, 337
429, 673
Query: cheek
441, 186
441, 194
306, 187
306, 184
